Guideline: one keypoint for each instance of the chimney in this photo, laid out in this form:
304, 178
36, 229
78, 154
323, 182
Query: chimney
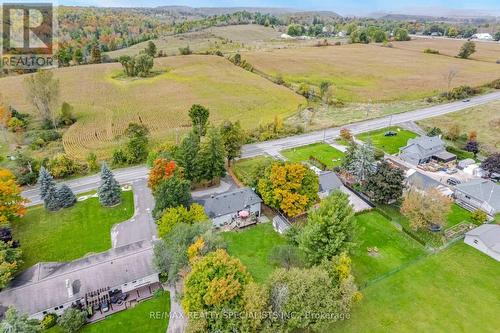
69, 287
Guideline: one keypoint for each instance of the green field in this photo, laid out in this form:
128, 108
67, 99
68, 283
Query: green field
389, 144
105, 105
253, 247
455, 290
484, 119
134, 320
325, 153
70, 233
243, 168
395, 248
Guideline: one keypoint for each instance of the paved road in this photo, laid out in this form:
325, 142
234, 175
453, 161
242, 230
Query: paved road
273, 147
86, 184
129, 175
141, 226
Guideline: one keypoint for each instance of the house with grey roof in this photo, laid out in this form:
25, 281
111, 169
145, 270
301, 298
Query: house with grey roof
224, 208
479, 194
424, 149
422, 182
53, 287
485, 238
328, 183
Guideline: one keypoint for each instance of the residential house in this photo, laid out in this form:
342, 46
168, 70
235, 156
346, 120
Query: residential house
485, 238
328, 183
53, 287
483, 36
225, 208
422, 182
424, 149
479, 194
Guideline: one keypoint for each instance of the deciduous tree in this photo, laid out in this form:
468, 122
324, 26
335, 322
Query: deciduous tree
10, 260
71, 320
234, 138
173, 192
290, 187
467, 49
492, 163
329, 229
162, 169
15, 322
150, 49
180, 214
11, 201
43, 92
199, 118
426, 209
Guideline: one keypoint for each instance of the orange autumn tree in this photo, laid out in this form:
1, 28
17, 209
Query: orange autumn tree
162, 169
289, 187
11, 201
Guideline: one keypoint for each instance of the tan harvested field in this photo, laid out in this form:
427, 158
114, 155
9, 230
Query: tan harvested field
226, 39
485, 120
105, 106
364, 73
485, 51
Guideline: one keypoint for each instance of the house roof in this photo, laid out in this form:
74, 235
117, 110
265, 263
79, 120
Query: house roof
423, 147
484, 190
43, 286
489, 234
231, 202
420, 180
329, 181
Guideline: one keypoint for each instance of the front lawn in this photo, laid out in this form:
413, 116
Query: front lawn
69, 233
395, 248
253, 247
434, 239
389, 144
244, 168
325, 153
150, 316
455, 290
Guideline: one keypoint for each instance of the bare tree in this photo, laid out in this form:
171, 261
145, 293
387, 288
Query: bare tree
43, 92
452, 73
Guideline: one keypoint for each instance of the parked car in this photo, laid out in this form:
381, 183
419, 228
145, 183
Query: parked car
466, 100
453, 181
451, 171
390, 133
105, 306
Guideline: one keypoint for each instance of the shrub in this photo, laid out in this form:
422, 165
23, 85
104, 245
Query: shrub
431, 51
495, 84
72, 320
16, 124
478, 217
461, 92
50, 320
119, 157
62, 166
185, 50
66, 117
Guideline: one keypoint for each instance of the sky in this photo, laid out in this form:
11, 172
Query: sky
345, 7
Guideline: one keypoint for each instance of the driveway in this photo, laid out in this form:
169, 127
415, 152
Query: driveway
358, 204
141, 226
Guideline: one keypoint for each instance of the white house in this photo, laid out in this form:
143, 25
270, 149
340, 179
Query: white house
225, 208
486, 239
53, 287
482, 36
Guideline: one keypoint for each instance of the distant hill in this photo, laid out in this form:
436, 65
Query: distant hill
209, 11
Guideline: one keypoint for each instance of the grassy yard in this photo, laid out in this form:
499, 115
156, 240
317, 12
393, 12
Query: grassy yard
434, 239
455, 290
389, 144
243, 168
135, 320
253, 246
395, 248
484, 119
70, 233
325, 153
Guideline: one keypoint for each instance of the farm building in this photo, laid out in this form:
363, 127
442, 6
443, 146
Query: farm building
53, 287
479, 194
328, 182
225, 208
424, 149
485, 238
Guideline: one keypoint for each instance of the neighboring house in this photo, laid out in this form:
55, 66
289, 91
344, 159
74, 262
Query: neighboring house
224, 208
424, 149
328, 183
485, 238
422, 182
54, 287
465, 163
483, 36
479, 194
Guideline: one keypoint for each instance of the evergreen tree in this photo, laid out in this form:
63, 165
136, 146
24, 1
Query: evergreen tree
363, 162
386, 184
212, 156
186, 154
170, 193
109, 190
48, 191
65, 196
